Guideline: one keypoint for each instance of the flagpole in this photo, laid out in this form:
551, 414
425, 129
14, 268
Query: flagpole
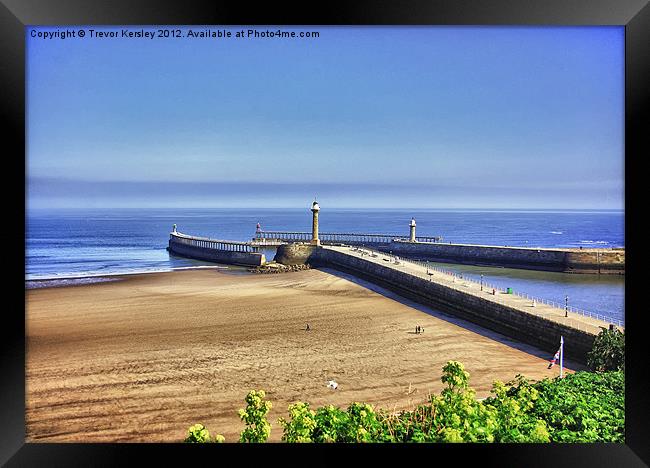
561, 354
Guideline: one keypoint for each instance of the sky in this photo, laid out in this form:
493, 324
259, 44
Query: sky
359, 117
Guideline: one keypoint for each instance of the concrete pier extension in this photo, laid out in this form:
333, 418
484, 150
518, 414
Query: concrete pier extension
214, 250
602, 261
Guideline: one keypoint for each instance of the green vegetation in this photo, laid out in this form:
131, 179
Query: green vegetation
198, 434
258, 428
608, 351
582, 407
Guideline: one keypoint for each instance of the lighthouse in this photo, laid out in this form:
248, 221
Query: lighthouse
412, 230
314, 223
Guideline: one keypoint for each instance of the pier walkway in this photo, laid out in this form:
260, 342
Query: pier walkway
575, 318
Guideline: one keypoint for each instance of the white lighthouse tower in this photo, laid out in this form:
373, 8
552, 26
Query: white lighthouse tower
314, 223
412, 230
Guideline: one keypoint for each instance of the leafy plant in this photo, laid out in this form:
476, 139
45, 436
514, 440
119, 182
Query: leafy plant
361, 425
257, 428
608, 351
198, 434
330, 422
513, 410
301, 425
456, 414
583, 407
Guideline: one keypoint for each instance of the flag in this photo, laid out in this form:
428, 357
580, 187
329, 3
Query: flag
554, 360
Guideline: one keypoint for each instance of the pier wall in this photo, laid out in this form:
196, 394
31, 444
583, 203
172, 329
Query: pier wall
215, 255
604, 261
537, 331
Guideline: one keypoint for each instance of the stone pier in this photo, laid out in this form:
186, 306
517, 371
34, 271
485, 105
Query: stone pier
540, 325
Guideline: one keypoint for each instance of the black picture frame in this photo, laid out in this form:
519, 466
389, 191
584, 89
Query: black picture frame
634, 15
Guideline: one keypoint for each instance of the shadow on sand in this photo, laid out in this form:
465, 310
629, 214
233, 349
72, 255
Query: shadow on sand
569, 364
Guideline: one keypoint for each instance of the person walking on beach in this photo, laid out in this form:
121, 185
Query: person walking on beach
308, 328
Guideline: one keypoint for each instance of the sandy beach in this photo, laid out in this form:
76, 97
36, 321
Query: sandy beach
143, 358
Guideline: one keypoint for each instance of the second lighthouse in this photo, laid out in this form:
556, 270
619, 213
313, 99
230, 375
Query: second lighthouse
412, 230
314, 223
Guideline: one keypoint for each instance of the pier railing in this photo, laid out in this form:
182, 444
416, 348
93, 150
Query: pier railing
217, 244
337, 237
460, 278
428, 239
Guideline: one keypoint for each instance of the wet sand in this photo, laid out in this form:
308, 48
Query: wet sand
142, 359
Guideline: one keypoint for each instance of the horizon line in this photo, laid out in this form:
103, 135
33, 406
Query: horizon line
293, 207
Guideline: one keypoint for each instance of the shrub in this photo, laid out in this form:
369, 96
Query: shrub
456, 415
197, 434
258, 428
301, 425
330, 422
513, 411
608, 351
583, 407
361, 425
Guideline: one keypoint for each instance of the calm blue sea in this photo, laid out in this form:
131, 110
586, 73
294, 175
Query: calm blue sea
72, 245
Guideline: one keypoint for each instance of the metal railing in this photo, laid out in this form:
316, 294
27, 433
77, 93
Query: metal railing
425, 239
458, 279
353, 238
215, 244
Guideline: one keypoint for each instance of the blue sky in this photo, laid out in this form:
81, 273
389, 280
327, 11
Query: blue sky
395, 117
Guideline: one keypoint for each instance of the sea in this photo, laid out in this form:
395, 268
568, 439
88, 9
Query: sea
76, 246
